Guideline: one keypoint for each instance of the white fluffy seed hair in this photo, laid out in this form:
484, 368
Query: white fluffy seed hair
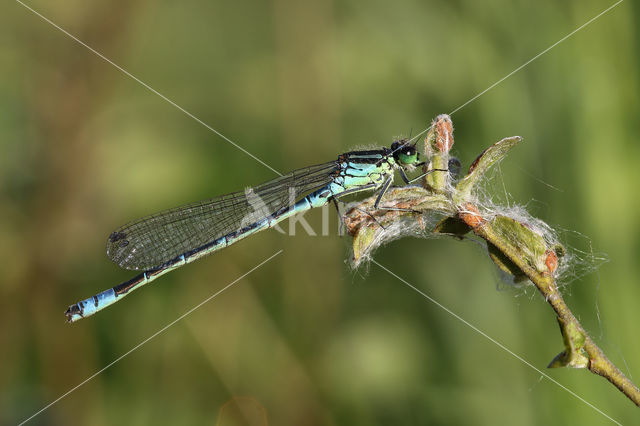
574, 264
579, 258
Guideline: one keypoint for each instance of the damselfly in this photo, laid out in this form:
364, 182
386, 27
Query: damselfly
162, 242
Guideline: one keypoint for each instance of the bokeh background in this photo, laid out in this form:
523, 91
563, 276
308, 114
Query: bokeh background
304, 339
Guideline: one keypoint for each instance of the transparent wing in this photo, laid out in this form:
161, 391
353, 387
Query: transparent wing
158, 238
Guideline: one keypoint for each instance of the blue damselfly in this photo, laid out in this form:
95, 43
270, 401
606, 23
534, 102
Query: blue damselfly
162, 242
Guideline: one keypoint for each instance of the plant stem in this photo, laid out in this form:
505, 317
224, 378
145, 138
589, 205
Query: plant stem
514, 247
598, 362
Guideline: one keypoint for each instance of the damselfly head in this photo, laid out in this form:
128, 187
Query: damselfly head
404, 152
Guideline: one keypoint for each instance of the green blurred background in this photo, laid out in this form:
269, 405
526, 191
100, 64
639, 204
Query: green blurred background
304, 339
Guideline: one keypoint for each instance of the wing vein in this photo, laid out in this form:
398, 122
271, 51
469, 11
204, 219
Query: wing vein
152, 240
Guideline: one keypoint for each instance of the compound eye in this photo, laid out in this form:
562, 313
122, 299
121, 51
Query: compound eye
408, 156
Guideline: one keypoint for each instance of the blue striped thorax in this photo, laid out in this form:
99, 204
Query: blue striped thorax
357, 168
